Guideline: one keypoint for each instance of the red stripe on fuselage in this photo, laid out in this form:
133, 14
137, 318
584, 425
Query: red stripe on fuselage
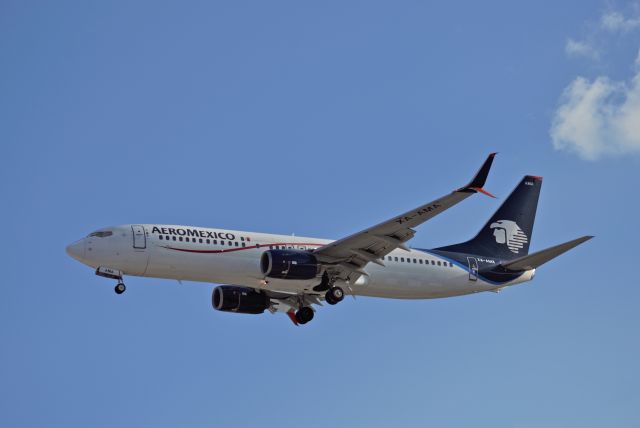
186, 250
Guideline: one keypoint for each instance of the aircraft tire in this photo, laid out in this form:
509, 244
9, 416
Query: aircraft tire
336, 294
304, 315
329, 298
120, 288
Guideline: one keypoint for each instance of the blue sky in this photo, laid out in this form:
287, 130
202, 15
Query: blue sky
319, 120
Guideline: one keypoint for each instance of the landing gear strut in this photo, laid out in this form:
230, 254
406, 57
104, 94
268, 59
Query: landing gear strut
304, 315
325, 283
334, 295
120, 288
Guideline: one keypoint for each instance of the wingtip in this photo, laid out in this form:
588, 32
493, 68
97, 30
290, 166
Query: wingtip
479, 179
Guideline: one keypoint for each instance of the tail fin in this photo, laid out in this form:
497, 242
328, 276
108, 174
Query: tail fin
508, 233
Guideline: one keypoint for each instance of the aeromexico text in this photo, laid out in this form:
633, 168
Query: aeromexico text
193, 232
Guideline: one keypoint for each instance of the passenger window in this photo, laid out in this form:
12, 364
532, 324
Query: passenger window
180, 239
396, 258
200, 240
237, 243
439, 263
415, 261
244, 245
420, 261
242, 238
450, 264
433, 262
173, 237
160, 237
402, 259
208, 241
215, 242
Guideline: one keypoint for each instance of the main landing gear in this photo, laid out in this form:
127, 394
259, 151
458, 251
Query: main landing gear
334, 295
304, 315
120, 287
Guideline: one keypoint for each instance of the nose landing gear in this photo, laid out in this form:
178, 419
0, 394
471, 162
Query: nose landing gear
120, 288
111, 273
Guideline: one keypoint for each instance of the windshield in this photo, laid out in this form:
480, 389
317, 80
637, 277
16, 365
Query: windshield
101, 234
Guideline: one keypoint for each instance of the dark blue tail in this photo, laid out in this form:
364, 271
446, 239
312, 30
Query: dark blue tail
507, 235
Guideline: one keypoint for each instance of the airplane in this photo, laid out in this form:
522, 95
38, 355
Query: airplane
278, 273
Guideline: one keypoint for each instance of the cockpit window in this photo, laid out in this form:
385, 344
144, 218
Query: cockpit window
101, 234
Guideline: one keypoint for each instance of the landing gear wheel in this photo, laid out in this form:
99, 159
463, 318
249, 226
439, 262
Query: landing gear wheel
120, 288
329, 299
304, 315
334, 295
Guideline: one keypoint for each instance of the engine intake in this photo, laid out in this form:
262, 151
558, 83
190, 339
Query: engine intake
289, 264
230, 298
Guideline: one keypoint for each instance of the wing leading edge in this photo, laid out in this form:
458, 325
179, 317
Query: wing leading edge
347, 257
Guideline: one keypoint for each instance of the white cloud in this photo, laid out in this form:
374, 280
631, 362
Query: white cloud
615, 21
598, 118
576, 49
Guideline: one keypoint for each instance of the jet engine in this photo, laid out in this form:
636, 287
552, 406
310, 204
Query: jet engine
289, 264
230, 298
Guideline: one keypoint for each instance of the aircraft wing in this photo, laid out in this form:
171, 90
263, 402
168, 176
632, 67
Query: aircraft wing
346, 257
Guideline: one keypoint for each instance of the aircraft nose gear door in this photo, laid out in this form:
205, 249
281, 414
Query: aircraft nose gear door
473, 268
139, 237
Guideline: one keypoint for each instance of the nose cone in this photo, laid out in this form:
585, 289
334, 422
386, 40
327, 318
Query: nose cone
76, 250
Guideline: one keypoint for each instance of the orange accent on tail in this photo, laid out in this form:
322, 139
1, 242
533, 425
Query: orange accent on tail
481, 190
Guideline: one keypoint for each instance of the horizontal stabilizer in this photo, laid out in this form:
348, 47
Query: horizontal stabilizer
539, 258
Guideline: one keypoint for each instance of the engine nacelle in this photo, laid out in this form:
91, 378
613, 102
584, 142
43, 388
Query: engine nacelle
230, 298
289, 264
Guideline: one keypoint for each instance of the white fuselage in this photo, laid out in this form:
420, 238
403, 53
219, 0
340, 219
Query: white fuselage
233, 257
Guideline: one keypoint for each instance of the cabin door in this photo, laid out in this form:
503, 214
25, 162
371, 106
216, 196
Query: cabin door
473, 268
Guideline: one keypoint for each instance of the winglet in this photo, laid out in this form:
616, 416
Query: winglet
477, 183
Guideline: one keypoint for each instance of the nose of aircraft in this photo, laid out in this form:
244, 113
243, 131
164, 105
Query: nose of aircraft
76, 250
